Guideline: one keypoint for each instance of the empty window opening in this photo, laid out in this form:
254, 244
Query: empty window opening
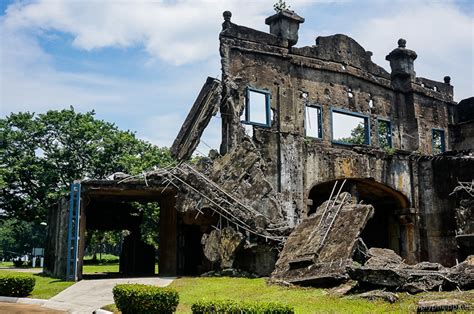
371, 102
350, 128
349, 93
313, 122
257, 107
384, 131
248, 130
439, 145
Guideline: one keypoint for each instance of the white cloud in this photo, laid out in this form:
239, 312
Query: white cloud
185, 33
161, 129
181, 32
439, 32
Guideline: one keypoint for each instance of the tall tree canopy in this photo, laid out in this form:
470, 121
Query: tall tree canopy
41, 154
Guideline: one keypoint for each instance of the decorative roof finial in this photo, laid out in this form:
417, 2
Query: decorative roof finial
227, 15
447, 79
402, 43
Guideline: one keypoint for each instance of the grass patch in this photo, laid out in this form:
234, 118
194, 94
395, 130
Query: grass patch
6, 264
105, 268
101, 268
304, 300
111, 308
45, 287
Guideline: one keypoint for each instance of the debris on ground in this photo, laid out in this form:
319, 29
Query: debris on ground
375, 295
325, 250
379, 272
230, 272
442, 305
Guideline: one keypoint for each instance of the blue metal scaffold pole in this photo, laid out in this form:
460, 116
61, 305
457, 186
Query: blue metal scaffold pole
73, 231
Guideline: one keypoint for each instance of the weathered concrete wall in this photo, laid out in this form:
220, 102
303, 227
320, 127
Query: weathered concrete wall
56, 245
336, 73
463, 136
438, 178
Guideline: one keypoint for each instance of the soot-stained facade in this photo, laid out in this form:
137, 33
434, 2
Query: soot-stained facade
405, 121
302, 124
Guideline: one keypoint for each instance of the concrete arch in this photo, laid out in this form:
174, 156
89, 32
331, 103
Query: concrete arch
387, 227
368, 188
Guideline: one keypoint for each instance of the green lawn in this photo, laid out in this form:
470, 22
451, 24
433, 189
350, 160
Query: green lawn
45, 287
304, 300
104, 268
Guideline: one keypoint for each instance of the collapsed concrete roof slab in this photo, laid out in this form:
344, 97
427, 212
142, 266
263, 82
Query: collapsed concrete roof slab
318, 250
205, 106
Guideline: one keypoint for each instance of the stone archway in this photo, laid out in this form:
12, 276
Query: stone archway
393, 224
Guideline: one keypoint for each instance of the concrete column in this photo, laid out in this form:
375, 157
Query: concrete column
403, 75
408, 247
168, 236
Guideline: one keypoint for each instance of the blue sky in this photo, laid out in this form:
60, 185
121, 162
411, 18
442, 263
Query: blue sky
141, 64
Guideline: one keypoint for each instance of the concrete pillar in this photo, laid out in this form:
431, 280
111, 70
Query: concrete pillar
403, 75
285, 24
168, 236
408, 247
402, 65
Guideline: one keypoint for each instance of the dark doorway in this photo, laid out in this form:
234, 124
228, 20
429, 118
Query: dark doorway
137, 256
192, 250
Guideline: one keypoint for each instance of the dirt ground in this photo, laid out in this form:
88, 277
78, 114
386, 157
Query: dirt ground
16, 308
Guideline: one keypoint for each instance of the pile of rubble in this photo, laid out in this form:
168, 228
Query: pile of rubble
385, 269
325, 249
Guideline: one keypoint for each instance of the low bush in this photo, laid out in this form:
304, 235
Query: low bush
16, 285
106, 259
237, 307
137, 298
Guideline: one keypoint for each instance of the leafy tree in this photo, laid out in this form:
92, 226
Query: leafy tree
357, 136
18, 237
100, 241
41, 155
151, 223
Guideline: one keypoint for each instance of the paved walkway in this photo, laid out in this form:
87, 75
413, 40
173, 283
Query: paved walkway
89, 295
22, 270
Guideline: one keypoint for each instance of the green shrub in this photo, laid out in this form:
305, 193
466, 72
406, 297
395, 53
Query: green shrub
137, 298
236, 307
16, 285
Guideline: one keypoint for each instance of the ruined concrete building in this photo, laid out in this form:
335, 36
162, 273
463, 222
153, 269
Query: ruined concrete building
319, 138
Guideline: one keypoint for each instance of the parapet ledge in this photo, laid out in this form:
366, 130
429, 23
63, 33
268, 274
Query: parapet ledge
443, 90
231, 30
342, 49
